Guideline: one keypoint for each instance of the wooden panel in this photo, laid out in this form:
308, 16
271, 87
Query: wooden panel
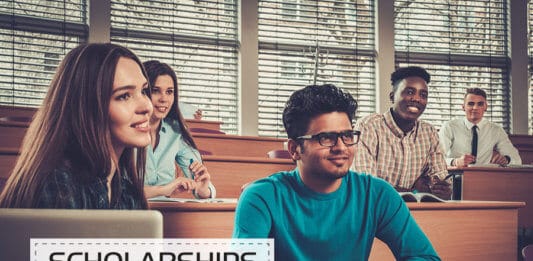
11, 135
234, 145
464, 234
503, 184
524, 144
210, 125
8, 158
196, 220
457, 230
16, 111
228, 173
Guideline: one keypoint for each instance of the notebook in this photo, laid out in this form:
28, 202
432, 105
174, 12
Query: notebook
17, 226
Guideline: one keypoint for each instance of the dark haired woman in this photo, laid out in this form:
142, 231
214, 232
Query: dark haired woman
171, 142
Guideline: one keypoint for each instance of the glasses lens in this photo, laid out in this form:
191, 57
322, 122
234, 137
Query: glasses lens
328, 139
348, 137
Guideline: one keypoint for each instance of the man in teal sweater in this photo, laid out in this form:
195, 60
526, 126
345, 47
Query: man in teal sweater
321, 210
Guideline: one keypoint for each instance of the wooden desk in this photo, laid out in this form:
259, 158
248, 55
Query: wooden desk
502, 184
464, 230
235, 145
458, 231
210, 125
229, 173
196, 220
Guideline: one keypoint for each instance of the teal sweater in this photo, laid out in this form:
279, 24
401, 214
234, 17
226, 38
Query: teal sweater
341, 225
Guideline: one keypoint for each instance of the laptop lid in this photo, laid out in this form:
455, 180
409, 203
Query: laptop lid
17, 226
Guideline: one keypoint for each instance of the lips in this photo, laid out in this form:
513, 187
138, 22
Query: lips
143, 126
161, 108
414, 108
338, 160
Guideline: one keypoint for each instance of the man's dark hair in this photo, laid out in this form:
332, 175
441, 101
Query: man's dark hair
476, 91
404, 72
314, 100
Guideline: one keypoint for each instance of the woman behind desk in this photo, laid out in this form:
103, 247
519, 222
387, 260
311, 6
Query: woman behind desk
85, 146
171, 142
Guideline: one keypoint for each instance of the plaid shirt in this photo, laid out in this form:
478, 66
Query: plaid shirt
384, 150
63, 189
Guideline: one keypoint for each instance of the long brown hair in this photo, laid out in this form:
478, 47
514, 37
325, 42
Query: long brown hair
155, 69
72, 126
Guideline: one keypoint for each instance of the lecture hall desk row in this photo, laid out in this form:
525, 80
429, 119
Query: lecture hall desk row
12, 133
228, 173
524, 143
27, 113
458, 230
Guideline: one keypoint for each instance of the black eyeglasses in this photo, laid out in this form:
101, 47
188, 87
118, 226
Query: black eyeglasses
329, 139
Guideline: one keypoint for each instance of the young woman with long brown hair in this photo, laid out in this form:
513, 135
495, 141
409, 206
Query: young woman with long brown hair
85, 145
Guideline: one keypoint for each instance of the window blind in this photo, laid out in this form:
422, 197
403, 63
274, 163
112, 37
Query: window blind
462, 44
304, 42
198, 39
34, 37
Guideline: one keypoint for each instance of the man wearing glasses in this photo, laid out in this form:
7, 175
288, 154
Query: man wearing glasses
398, 147
321, 210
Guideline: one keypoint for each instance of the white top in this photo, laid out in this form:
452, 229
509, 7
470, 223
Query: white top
456, 139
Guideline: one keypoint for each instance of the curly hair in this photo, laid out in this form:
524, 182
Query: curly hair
314, 100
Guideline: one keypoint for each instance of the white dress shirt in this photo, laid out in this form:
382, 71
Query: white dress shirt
456, 139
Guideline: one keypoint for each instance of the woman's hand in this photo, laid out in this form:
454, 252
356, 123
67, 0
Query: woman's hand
201, 179
182, 184
198, 114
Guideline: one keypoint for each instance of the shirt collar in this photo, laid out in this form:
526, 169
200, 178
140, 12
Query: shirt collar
397, 131
469, 124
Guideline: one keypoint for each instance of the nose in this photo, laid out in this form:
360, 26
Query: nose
416, 97
163, 97
144, 106
339, 146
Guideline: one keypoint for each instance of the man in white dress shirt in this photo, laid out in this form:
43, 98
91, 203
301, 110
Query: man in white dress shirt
458, 136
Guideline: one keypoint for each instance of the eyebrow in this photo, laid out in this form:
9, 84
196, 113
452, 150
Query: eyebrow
128, 87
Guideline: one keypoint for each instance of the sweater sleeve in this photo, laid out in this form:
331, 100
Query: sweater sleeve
398, 229
252, 217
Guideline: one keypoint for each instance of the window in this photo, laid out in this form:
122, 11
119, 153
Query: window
34, 37
304, 42
198, 39
462, 44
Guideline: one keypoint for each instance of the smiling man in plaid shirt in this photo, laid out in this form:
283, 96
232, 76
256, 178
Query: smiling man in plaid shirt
398, 147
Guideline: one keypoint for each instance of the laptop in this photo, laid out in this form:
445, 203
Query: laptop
17, 226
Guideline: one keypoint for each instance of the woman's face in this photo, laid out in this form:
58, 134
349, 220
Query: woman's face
162, 96
129, 108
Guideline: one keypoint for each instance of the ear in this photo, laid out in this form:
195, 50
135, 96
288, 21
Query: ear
391, 96
463, 106
294, 149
